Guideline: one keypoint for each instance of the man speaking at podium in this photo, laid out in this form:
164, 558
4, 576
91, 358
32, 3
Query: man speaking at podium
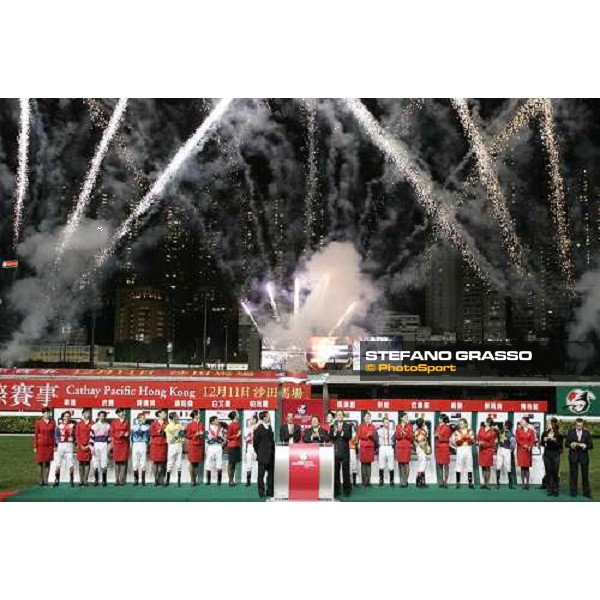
340, 433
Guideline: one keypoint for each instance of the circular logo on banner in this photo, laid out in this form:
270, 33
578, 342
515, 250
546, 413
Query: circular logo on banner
301, 410
579, 401
303, 456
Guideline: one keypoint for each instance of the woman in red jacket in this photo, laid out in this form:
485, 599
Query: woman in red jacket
119, 434
404, 445
234, 445
194, 433
158, 446
443, 433
43, 443
486, 440
366, 448
526, 439
83, 436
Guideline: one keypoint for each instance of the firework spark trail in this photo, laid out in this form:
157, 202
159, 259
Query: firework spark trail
344, 316
557, 192
99, 116
250, 315
312, 167
419, 181
90, 180
296, 296
271, 293
521, 117
489, 179
22, 173
191, 146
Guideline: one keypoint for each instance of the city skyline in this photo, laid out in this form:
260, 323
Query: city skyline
280, 180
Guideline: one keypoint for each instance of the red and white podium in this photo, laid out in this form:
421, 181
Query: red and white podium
304, 472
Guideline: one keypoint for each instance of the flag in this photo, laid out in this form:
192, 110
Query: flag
10, 264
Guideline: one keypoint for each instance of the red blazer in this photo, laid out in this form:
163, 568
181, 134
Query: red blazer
83, 434
366, 442
233, 439
158, 442
443, 433
119, 434
194, 433
43, 440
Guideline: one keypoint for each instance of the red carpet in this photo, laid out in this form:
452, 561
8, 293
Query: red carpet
6, 494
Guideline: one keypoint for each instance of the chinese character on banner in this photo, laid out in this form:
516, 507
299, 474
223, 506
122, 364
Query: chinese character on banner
297, 393
21, 394
3, 394
46, 393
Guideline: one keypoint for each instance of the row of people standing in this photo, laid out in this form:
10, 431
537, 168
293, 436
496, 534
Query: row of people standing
91, 442
496, 445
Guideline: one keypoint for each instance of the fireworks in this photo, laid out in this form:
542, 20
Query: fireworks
22, 173
312, 167
250, 315
99, 116
191, 146
490, 182
296, 296
90, 180
557, 192
420, 182
271, 294
344, 316
522, 116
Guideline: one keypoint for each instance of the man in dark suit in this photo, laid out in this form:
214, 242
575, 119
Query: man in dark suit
264, 447
288, 431
579, 442
315, 434
340, 433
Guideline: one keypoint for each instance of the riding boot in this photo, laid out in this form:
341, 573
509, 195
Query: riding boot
104, 477
380, 477
178, 478
248, 478
57, 478
136, 478
392, 478
208, 475
457, 480
168, 479
96, 477
72, 478
219, 477
470, 478
497, 479
143, 477
353, 478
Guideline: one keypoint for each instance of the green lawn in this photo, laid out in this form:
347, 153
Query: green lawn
18, 468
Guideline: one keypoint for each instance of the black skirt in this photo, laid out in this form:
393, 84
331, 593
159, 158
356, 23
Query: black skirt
234, 455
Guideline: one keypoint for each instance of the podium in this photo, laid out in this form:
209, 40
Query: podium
304, 472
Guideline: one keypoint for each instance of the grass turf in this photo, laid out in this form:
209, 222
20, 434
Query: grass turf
18, 471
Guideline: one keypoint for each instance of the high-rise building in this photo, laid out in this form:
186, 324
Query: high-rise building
442, 289
140, 315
